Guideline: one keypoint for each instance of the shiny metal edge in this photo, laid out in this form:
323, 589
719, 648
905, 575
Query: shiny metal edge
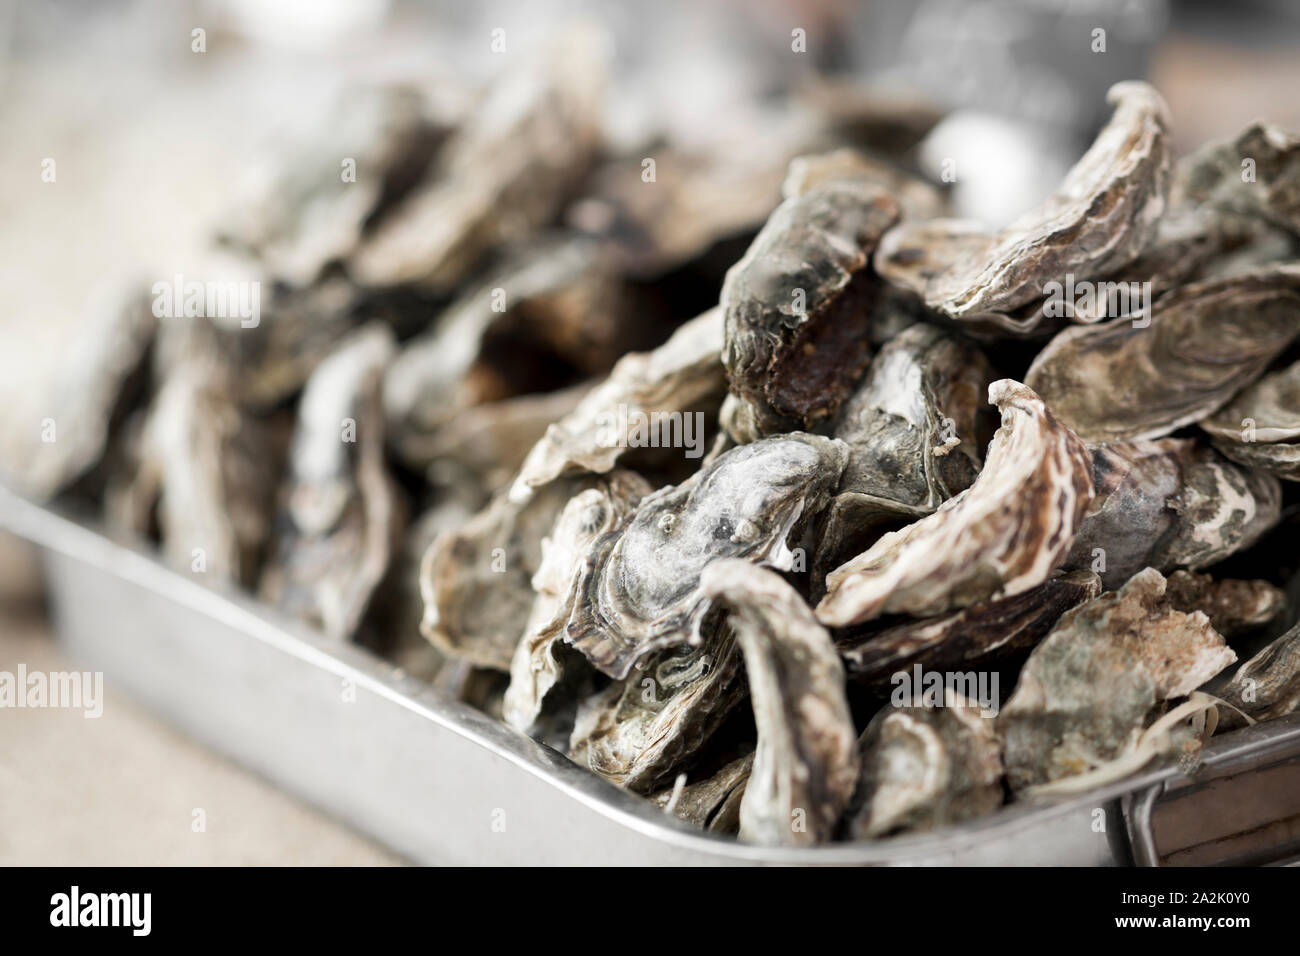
53, 531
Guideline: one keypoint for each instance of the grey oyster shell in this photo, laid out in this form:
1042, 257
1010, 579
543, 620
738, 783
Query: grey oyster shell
1204, 343
1099, 219
501, 175
924, 768
1005, 534
806, 763
1215, 175
673, 380
640, 589
1266, 686
1089, 689
916, 430
982, 632
340, 516
476, 579
798, 305
712, 804
641, 731
1169, 503
1260, 428
916, 198
538, 662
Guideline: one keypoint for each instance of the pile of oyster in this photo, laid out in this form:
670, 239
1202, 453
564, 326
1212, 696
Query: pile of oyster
768, 566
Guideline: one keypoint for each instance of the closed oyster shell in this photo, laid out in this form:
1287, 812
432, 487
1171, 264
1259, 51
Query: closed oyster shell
1166, 504
640, 590
641, 731
1088, 690
799, 303
675, 378
1233, 606
1204, 343
340, 516
1101, 217
1215, 175
1260, 428
711, 804
924, 768
1005, 534
1267, 685
538, 665
501, 175
915, 428
806, 762
983, 631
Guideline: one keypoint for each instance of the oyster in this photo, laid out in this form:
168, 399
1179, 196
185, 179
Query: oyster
799, 304
340, 515
500, 176
1166, 504
1232, 606
924, 768
1005, 534
1258, 173
916, 429
538, 662
641, 731
1102, 217
711, 804
983, 631
1088, 690
1203, 344
640, 588
1266, 686
1260, 428
806, 763
641, 392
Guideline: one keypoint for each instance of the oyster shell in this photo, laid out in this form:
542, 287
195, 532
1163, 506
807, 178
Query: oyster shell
1005, 534
500, 176
1169, 503
1089, 689
799, 303
1233, 606
681, 374
711, 804
1267, 685
1260, 428
340, 516
640, 589
916, 429
1204, 343
1101, 218
1270, 187
641, 731
538, 662
806, 762
924, 768
983, 631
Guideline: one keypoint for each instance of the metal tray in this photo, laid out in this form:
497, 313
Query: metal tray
441, 783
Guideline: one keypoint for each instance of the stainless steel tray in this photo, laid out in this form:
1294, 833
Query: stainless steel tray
439, 782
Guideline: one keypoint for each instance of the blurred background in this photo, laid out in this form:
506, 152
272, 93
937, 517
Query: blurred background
155, 144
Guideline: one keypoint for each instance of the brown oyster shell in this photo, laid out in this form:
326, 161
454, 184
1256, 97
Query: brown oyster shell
1260, 428
806, 763
1266, 686
1233, 606
711, 804
1005, 534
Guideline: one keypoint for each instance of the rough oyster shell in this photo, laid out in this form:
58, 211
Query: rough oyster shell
1204, 343
675, 378
1260, 428
1267, 685
640, 590
1233, 606
924, 768
340, 516
806, 762
1215, 175
1005, 534
1088, 689
799, 303
711, 804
